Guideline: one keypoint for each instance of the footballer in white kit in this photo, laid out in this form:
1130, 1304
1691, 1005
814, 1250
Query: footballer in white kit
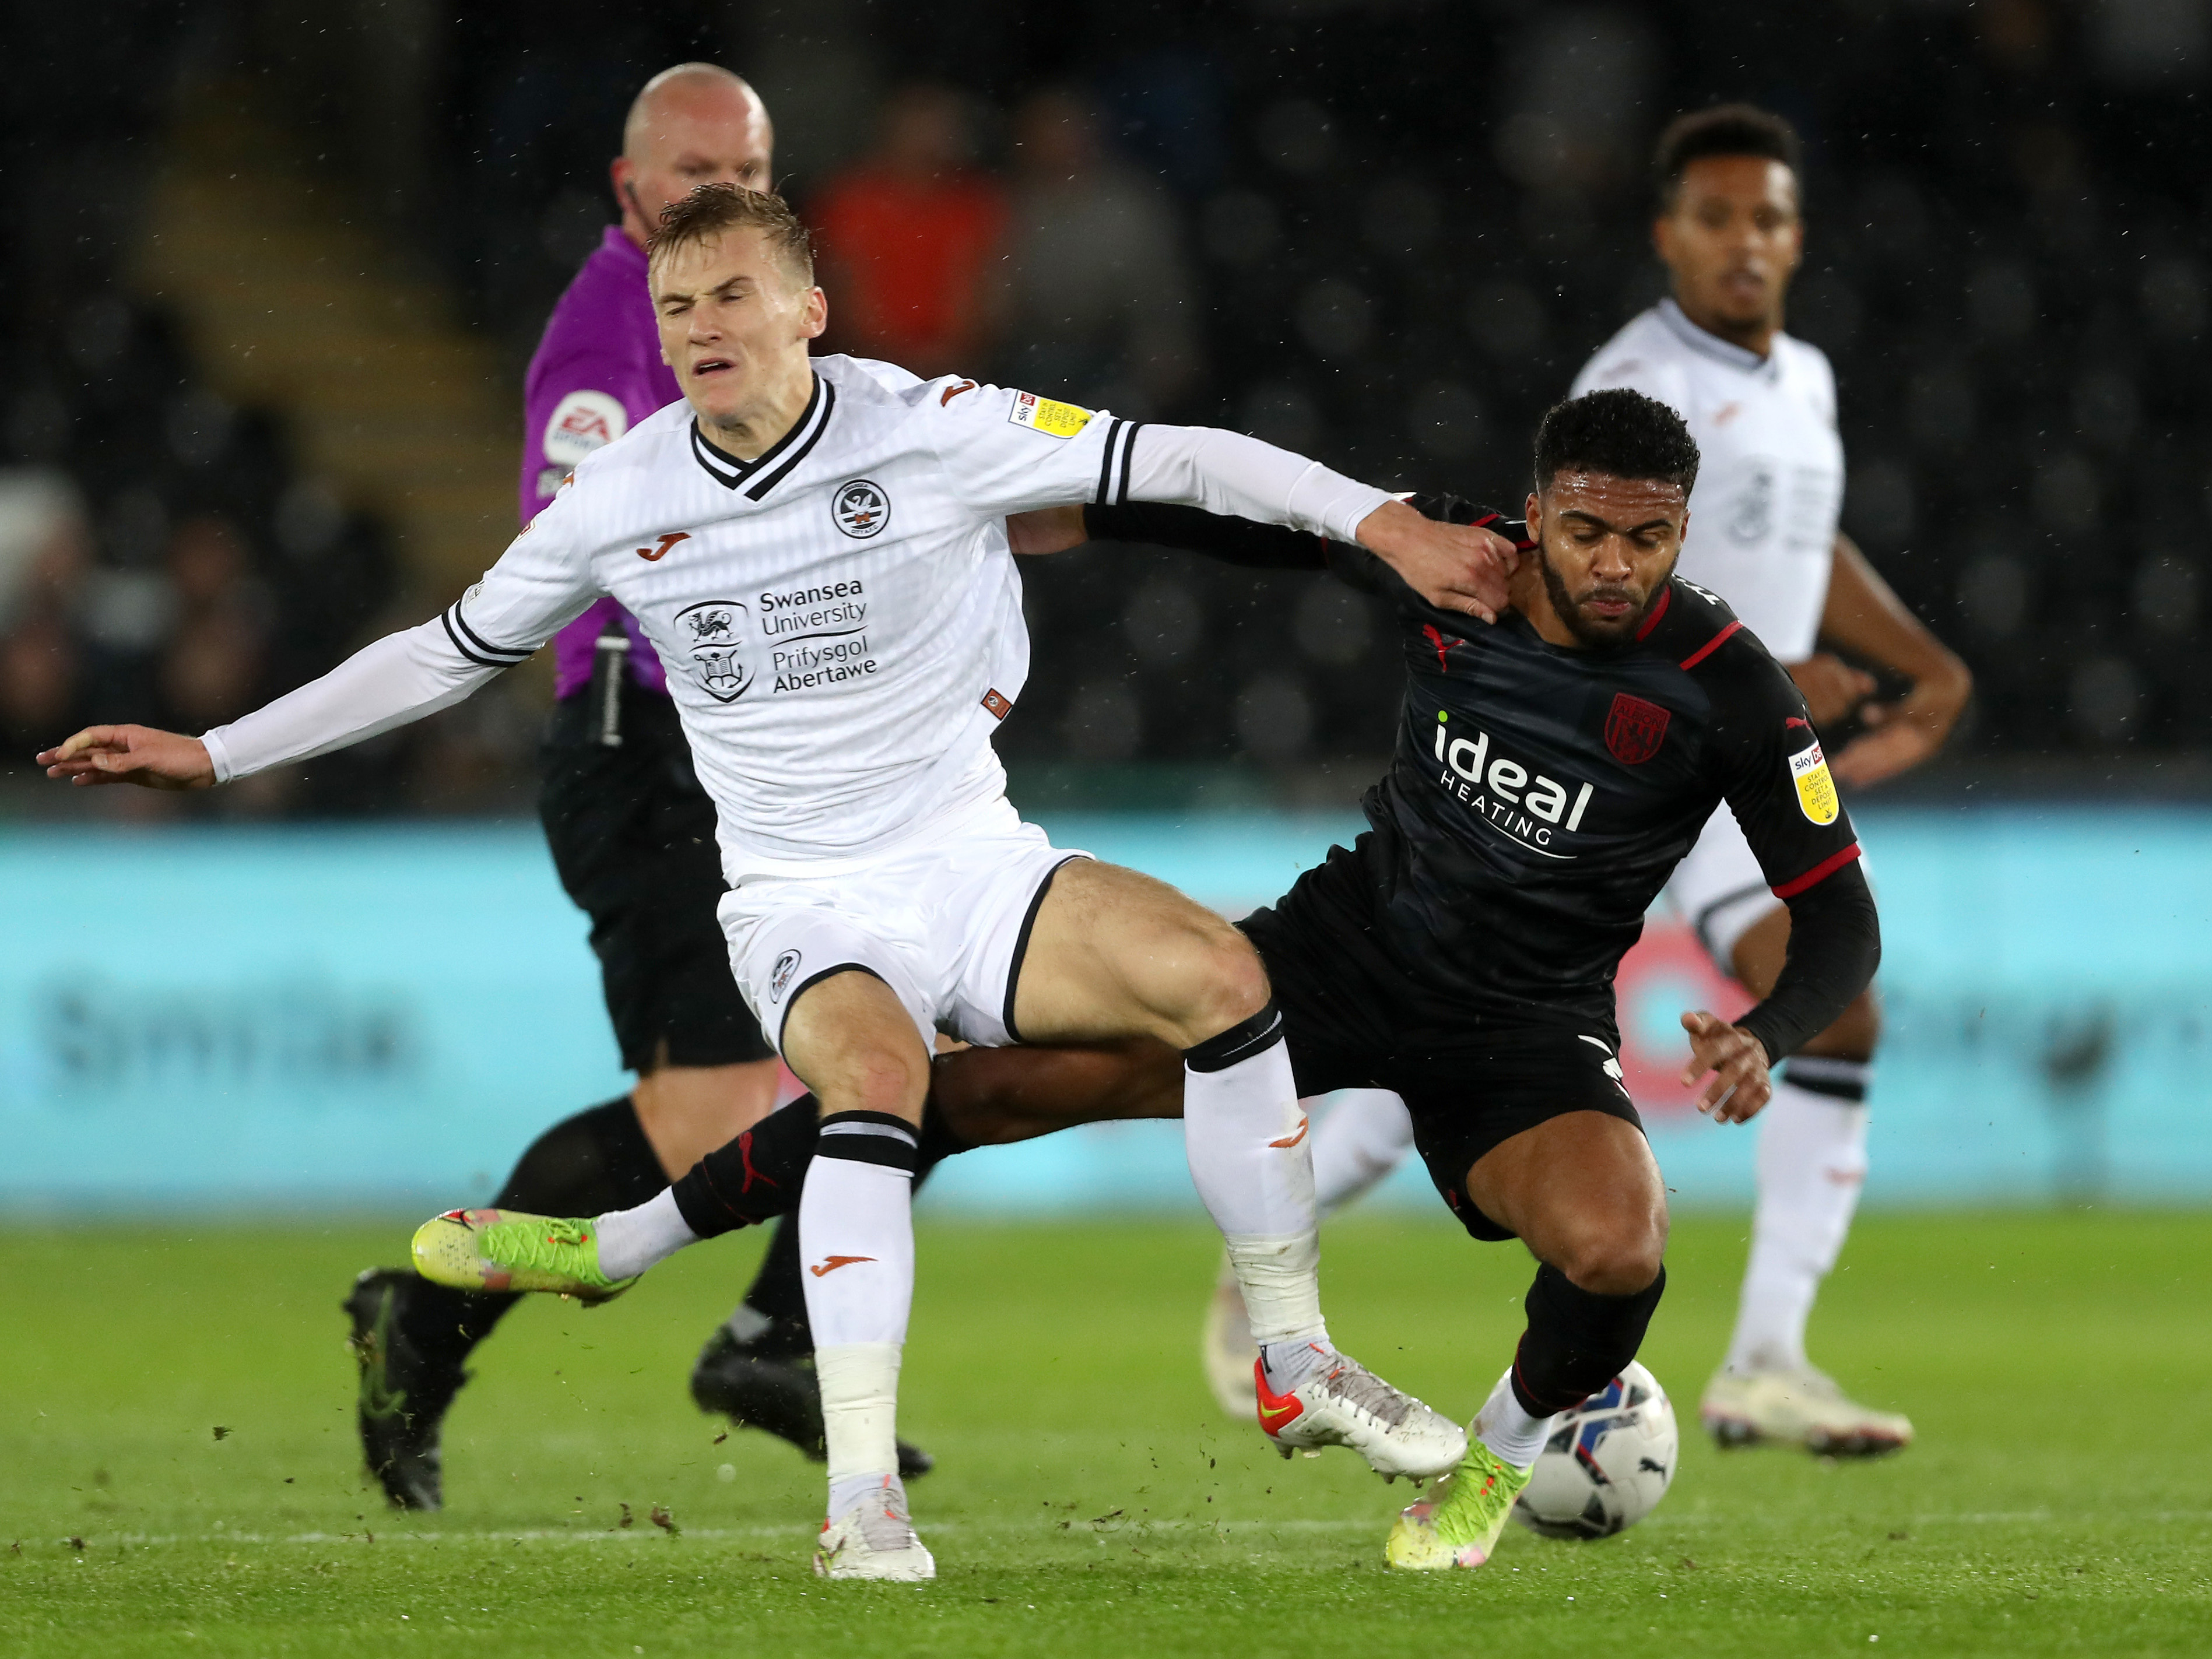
1762, 531
831, 589
1762, 534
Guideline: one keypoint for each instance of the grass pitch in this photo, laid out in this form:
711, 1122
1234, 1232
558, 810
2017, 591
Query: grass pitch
178, 1470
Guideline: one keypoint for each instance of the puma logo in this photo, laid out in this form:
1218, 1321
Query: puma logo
830, 1264
654, 556
745, 1156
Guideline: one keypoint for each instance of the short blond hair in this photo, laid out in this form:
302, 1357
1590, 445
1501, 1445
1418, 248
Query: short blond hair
712, 208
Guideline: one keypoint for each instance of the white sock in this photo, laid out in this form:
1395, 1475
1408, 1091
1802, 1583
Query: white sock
631, 1241
1251, 1160
1811, 1166
1507, 1430
1359, 1141
856, 1239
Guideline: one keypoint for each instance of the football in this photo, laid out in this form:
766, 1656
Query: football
1608, 1464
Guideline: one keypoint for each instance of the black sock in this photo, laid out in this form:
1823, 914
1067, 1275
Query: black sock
1576, 1340
755, 1178
596, 1161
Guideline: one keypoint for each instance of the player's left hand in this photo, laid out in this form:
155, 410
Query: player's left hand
1740, 1087
1454, 567
1900, 736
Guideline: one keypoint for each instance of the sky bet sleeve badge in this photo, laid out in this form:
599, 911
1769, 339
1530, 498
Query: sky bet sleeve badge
1816, 790
1042, 414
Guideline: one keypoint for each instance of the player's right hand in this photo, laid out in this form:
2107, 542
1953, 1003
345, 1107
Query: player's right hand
1741, 1084
130, 754
1455, 567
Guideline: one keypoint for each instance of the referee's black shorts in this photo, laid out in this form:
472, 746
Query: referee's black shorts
1467, 1090
633, 837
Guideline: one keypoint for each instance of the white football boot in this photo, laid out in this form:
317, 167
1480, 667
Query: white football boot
1798, 1408
873, 1539
1345, 1404
1226, 1349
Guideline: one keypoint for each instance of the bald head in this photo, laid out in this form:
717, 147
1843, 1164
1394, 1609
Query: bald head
693, 125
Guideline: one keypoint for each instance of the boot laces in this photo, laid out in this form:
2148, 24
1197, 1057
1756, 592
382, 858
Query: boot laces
539, 1244
1358, 1388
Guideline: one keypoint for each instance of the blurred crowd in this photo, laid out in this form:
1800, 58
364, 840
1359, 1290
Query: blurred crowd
1385, 233
160, 561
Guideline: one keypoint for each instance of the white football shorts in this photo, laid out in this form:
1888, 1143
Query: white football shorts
944, 925
1719, 890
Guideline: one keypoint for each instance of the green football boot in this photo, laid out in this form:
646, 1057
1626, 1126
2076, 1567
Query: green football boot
1457, 1524
508, 1250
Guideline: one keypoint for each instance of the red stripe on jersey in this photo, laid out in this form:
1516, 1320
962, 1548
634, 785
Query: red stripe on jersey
1666, 594
1818, 873
1709, 646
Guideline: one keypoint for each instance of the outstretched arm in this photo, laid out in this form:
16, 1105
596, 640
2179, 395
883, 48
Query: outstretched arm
1455, 567
1232, 540
1010, 453
536, 588
401, 678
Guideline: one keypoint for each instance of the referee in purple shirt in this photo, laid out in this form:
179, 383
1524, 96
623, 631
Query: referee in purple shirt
633, 837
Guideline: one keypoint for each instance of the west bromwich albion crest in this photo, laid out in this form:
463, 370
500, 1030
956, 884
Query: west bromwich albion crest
1634, 729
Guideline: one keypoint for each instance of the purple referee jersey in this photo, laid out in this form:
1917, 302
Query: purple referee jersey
597, 373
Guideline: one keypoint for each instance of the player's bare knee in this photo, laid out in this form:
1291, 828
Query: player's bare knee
877, 1080
1612, 1254
1222, 985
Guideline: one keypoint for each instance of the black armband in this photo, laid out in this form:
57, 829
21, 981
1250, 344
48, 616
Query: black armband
1835, 946
1194, 530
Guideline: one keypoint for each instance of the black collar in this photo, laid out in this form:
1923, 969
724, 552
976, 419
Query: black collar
776, 461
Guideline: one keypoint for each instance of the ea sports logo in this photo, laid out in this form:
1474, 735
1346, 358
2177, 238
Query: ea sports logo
861, 508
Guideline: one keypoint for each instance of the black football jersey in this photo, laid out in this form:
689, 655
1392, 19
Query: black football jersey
1539, 797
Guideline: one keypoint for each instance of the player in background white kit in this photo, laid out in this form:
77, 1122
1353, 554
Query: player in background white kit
1762, 534
817, 549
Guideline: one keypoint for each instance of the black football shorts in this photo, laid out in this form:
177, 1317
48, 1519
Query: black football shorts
1468, 1089
632, 836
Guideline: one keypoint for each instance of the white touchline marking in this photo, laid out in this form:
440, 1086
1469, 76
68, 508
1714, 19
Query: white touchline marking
1119, 1524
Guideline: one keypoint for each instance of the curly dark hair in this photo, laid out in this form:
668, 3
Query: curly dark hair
1723, 129
1619, 432
715, 208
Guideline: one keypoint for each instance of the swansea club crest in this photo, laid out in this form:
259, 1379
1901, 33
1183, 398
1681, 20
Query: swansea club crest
1634, 729
861, 508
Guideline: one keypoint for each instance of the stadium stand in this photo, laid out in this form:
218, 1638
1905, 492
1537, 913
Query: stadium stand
2017, 310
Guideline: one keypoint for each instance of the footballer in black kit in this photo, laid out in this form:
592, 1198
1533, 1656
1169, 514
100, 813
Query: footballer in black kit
1550, 771
1539, 799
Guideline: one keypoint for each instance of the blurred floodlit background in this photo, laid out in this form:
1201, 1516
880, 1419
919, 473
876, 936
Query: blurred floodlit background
273, 271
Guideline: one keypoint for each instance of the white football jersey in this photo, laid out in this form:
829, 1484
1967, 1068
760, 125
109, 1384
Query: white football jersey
835, 617
1771, 475
839, 619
